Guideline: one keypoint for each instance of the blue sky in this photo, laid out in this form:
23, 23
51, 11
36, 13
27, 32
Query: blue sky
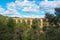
28, 8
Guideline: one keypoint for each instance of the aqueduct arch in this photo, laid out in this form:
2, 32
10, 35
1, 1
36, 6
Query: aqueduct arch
30, 19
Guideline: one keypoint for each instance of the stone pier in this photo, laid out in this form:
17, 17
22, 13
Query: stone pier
30, 19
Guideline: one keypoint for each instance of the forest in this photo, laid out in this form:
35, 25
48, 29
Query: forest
10, 30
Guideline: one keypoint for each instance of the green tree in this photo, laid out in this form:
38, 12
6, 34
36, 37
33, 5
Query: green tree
50, 33
11, 24
22, 30
57, 13
3, 28
50, 17
34, 32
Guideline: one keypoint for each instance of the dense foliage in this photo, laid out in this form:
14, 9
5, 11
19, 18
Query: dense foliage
10, 30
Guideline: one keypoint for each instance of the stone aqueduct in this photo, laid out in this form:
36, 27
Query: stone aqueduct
30, 19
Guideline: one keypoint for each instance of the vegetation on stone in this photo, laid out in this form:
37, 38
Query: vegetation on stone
10, 30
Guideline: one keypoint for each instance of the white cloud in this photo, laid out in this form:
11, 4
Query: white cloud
12, 12
49, 6
27, 6
11, 6
56, 0
2, 10
9, 12
18, 4
32, 16
30, 9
